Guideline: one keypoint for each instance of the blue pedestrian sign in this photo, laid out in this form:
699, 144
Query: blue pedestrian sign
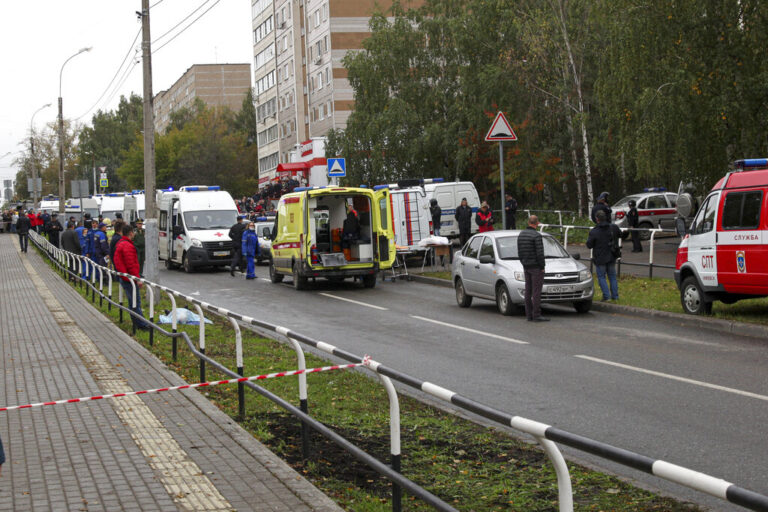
104, 183
337, 168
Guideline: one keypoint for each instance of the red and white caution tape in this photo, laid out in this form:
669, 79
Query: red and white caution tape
190, 386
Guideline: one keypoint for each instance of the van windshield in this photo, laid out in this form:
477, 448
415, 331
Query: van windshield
209, 219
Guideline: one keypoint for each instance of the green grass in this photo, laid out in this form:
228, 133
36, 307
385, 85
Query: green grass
473, 467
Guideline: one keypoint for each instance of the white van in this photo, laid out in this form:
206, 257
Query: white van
141, 201
49, 204
448, 195
194, 227
411, 217
112, 204
79, 207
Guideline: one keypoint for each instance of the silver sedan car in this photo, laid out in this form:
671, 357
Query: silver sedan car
488, 267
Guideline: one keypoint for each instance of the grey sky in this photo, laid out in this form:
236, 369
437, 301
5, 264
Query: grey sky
37, 36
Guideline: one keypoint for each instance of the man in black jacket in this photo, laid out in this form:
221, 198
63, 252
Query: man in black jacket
510, 211
70, 242
437, 213
22, 228
604, 241
633, 220
236, 235
53, 228
601, 206
530, 250
464, 219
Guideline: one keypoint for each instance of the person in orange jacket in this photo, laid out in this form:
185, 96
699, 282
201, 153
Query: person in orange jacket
484, 218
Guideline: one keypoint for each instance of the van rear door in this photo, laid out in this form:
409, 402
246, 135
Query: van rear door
381, 213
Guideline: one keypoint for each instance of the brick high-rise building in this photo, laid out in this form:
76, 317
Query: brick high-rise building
215, 84
301, 85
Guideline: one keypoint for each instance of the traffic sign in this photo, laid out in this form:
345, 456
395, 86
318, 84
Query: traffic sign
103, 182
337, 168
500, 130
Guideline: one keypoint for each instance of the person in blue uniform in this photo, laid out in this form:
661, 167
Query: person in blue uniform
250, 247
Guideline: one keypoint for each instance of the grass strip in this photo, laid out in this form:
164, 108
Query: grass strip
474, 467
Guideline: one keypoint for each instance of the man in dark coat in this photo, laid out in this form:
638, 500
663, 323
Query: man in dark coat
464, 219
351, 228
604, 241
236, 235
116, 236
54, 228
437, 214
601, 205
140, 243
70, 242
23, 225
510, 211
633, 220
530, 250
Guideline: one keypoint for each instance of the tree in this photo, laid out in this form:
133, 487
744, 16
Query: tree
245, 119
46, 160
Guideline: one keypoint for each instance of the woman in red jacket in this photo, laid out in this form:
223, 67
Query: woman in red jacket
127, 262
484, 218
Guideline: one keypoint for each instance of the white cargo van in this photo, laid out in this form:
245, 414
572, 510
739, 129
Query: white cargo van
411, 217
112, 204
448, 195
79, 207
49, 204
194, 227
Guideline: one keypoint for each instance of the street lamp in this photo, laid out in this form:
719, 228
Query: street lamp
61, 132
32, 152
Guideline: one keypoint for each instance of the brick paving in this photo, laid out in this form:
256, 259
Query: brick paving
86, 456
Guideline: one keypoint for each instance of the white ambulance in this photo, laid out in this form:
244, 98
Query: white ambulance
118, 202
449, 195
194, 227
724, 254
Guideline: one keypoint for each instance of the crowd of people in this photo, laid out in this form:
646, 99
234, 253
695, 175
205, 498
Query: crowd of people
263, 202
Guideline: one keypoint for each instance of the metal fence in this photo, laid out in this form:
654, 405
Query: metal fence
546, 435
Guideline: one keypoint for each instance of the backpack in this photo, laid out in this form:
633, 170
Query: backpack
615, 247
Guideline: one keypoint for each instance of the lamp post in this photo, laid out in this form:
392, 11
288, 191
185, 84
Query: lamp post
32, 152
61, 132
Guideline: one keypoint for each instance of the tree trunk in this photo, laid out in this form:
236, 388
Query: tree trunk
575, 158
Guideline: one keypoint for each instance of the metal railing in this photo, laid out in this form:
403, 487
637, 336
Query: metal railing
546, 435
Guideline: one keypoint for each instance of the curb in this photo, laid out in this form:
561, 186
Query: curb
724, 326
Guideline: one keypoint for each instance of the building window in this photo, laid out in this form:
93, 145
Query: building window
269, 162
259, 6
267, 136
263, 30
320, 80
266, 109
265, 83
325, 11
329, 108
285, 43
285, 72
317, 18
325, 44
328, 75
263, 57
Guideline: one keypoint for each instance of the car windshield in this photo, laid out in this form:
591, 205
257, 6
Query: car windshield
209, 219
625, 200
507, 248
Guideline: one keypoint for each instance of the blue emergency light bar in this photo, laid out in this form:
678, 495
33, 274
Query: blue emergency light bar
380, 187
751, 162
261, 219
302, 189
655, 189
198, 189
169, 189
435, 180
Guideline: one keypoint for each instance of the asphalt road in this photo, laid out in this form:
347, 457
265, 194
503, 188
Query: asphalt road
692, 397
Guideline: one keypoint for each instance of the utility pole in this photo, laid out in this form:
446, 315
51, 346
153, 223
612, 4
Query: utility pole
150, 223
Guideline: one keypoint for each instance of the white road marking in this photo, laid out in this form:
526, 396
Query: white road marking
354, 301
481, 333
747, 394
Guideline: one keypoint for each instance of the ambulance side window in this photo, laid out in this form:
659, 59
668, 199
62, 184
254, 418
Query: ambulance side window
383, 213
742, 210
163, 221
706, 221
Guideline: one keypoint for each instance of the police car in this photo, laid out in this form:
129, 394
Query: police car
724, 254
655, 207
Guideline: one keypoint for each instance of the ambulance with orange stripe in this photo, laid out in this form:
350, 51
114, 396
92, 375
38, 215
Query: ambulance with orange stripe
724, 254
307, 236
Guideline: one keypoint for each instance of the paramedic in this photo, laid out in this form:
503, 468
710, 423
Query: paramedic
250, 249
351, 230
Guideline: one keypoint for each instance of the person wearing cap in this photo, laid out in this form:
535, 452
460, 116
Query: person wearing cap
437, 214
484, 218
250, 249
236, 235
53, 228
100, 245
633, 220
601, 205
140, 244
463, 217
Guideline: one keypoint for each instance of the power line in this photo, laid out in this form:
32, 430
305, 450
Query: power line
156, 4
125, 59
179, 23
123, 79
185, 28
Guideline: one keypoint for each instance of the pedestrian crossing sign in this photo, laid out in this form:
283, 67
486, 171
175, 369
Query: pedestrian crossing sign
337, 167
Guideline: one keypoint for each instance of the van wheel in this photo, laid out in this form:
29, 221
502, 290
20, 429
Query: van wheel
274, 276
170, 265
692, 298
299, 281
462, 299
187, 265
369, 280
645, 235
583, 306
503, 300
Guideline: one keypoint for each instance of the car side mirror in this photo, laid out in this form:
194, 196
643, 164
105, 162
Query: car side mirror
576, 256
486, 258
680, 226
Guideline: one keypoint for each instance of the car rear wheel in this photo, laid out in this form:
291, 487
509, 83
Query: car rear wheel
583, 306
274, 276
462, 299
645, 235
692, 298
369, 280
299, 281
503, 300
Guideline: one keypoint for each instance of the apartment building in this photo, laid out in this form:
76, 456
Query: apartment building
305, 89
215, 84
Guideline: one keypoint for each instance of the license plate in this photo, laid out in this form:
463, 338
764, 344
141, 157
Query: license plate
217, 254
560, 289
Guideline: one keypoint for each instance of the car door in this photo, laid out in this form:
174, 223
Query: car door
655, 208
486, 272
702, 243
469, 265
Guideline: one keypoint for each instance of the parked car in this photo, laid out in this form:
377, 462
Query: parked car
655, 207
488, 267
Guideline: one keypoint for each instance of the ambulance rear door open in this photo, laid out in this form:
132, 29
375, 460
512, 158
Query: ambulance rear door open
381, 215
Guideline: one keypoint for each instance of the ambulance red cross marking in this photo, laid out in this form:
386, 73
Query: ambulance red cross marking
218, 234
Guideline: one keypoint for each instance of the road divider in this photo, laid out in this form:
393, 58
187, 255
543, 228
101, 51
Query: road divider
467, 329
717, 387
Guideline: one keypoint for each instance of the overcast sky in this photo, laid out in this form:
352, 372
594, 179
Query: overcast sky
37, 36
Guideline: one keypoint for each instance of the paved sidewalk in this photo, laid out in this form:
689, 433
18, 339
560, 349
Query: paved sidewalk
171, 451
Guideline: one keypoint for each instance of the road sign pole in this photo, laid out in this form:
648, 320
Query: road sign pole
501, 180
